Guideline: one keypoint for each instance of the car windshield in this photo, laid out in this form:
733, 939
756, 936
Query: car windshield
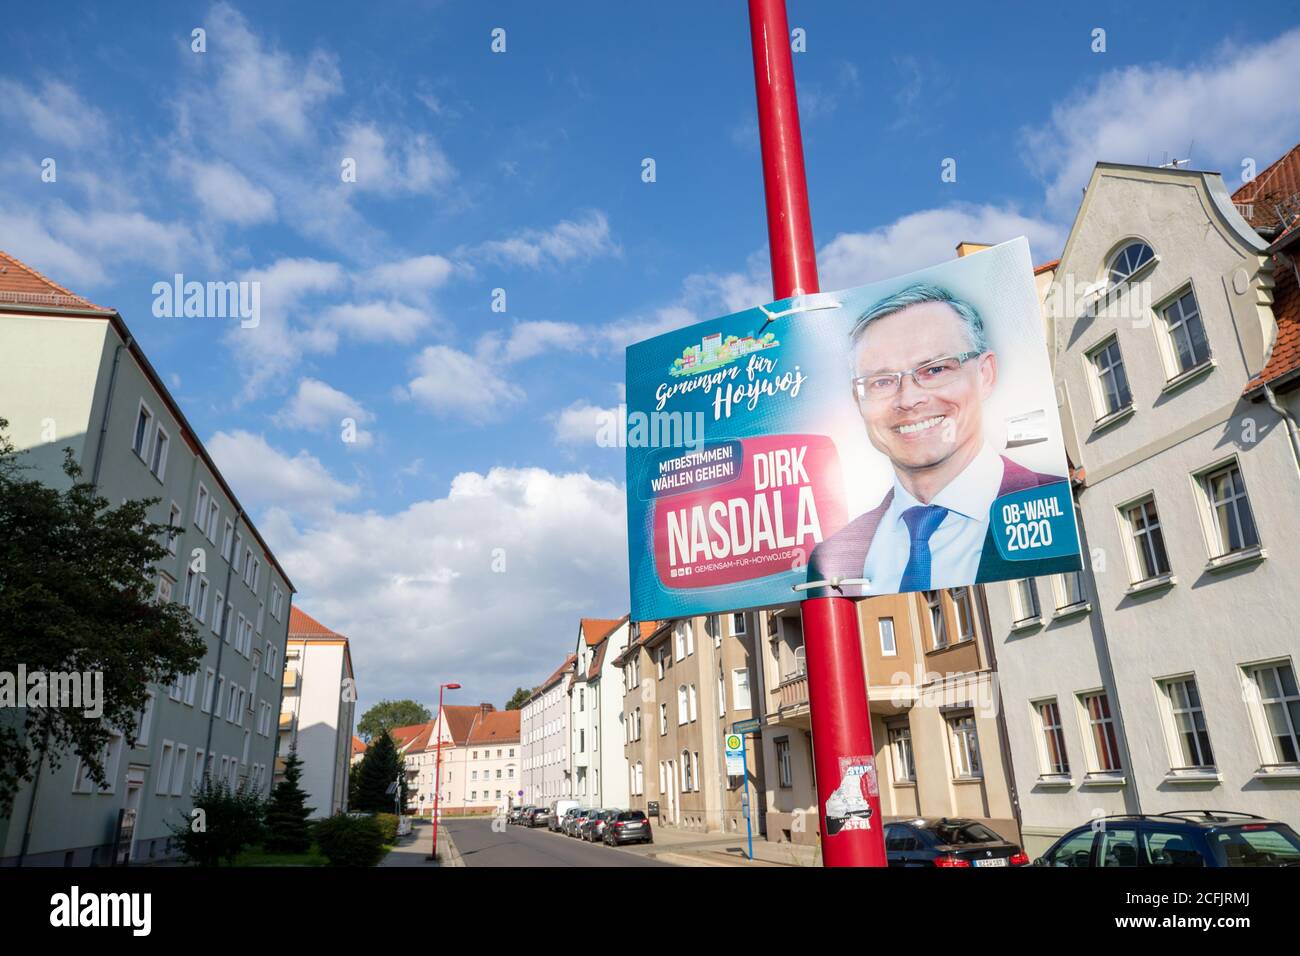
1258, 845
951, 834
631, 815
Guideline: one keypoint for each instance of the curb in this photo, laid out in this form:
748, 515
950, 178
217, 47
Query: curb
450, 856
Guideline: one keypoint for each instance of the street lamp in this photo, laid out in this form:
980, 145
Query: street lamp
437, 769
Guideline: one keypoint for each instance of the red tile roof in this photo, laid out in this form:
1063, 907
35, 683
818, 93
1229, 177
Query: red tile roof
358, 745
597, 660
556, 675
595, 630
1279, 184
460, 719
20, 284
302, 624
1038, 270
412, 737
496, 726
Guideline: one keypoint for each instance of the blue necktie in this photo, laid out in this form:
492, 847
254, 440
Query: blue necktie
922, 521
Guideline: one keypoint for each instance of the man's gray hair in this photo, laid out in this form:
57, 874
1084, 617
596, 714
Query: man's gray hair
915, 295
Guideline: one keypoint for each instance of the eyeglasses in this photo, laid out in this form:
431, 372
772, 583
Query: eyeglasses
879, 386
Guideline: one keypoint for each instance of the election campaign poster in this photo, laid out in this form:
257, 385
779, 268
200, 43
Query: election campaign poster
901, 436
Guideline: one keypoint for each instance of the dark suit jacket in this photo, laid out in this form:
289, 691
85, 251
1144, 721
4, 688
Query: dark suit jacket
844, 553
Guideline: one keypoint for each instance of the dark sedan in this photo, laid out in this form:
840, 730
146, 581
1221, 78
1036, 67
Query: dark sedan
949, 843
628, 826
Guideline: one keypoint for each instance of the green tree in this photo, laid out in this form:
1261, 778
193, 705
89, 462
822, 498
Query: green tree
222, 823
519, 698
287, 830
77, 586
381, 765
387, 714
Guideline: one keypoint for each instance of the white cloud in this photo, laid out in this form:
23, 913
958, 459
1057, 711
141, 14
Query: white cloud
377, 321
568, 241
1227, 104
394, 163
263, 476
413, 276
582, 423
450, 383
227, 195
56, 114
529, 339
319, 407
921, 239
465, 586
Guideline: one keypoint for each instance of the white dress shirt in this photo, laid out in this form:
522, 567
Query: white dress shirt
955, 547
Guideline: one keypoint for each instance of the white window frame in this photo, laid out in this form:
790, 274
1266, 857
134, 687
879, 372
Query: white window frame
1165, 332
1095, 725
209, 685
938, 620
1050, 725
227, 539
1216, 546
145, 448
1258, 704
1095, 373
742, 698
1129, 534
178, 775
692, 698
201, 499
1170, 711
963, 597
889, 649
901, 755
175, 518
166, 768
963, 734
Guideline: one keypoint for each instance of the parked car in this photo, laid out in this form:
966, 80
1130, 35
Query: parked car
594, 828
517, 813
539, 817
628, 826
948, 842
560, 809
1181, 838
577, 820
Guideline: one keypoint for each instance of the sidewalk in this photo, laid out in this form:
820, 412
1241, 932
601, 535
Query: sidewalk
413, 849
694, 848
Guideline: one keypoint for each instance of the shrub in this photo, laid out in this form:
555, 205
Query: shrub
387, 826
229, 821
350, 841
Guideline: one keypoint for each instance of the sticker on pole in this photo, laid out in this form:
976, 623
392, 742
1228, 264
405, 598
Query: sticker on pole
849, 807
901, 436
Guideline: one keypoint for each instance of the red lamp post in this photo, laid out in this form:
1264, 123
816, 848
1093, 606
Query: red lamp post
437, 769
837, 688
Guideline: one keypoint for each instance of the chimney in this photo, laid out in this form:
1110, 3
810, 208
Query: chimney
486, 708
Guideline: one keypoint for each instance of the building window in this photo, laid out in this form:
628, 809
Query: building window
1070, 592
900, 751
681, 705
1112, 391
740, 689
659, 661
1273, 690
888, 645
663, 719
1125, 263
713, 629
1186, 333
1148, 540
143, 432
158, 462
693, 702
784, 765
1191, 737
165, 768
1105, 740
227, 538
965, 746
687, 779
938, 627
173, 527
1024, 601
738, 625
1055, 761
178, 776
961, 599
201, 507
679, 641
1232, 523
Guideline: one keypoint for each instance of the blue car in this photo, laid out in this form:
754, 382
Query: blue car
1181, 838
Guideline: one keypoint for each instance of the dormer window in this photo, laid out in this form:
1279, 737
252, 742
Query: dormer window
1127, 262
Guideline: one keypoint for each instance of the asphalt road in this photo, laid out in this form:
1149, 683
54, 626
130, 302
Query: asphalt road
518, 846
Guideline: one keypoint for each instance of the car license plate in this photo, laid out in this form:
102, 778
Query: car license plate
995, 861
633, 826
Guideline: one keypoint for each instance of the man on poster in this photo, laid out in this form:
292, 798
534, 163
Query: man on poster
922, 370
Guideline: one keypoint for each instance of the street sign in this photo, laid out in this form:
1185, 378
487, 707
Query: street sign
735, 745
751, 726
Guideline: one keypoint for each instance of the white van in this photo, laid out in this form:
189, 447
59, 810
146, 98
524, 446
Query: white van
558, 809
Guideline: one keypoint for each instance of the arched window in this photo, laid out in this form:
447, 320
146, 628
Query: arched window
1127, 261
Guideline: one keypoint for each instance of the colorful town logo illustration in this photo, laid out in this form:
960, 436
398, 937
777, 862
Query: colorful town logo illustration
714, 351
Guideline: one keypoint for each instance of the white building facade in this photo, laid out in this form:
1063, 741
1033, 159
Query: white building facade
544, 739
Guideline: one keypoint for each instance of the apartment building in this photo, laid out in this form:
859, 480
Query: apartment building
317, 711
73, 376
418, 745
935, 716
1163, 677
494, 760
595, 715
544, 738
685, 683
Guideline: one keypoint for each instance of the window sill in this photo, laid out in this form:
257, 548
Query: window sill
1104, 778
1113, 418
1028, 623
1160, 582
1236, 559
906, 783
1278, 772
1054, 781
1072, 610
1193, 374
979, 779
1208, 775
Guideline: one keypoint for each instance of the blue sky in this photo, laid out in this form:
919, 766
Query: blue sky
522, 171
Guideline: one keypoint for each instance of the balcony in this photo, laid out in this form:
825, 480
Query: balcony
792, 692
286, 721
290, 679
